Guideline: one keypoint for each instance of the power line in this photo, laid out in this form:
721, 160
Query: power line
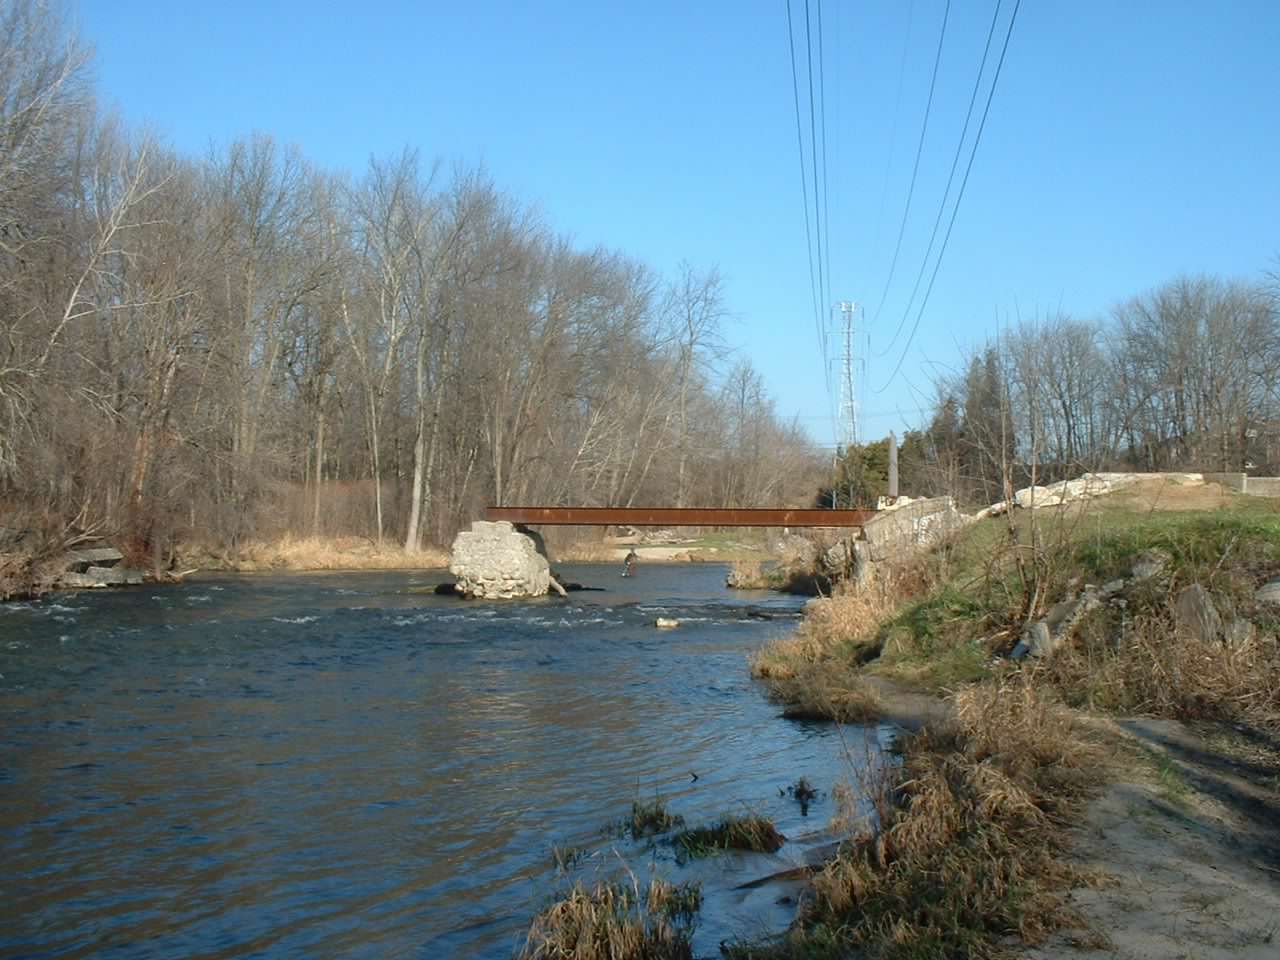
959, 195
915, 169
804, 192
826, 194
813, 143
897, 110
946, 194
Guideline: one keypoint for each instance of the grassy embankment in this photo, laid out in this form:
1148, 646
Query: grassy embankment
973, 822
965, 854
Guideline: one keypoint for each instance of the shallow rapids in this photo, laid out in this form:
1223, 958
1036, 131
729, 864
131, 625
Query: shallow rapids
345, 765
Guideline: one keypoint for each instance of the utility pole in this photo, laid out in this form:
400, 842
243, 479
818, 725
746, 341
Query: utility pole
893, 466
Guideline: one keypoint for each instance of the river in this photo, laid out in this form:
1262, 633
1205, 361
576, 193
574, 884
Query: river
346, 765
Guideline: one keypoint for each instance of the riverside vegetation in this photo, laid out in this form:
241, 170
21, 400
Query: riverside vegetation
219, 355
621, 919
968, 850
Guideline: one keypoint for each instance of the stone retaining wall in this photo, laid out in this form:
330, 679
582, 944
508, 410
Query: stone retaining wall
1262, 487
1243, 483
1232, 481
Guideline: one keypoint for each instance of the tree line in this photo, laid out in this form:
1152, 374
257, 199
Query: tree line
1183, 377
245, 344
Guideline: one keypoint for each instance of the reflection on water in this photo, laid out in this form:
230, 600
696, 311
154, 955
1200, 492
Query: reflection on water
347, 765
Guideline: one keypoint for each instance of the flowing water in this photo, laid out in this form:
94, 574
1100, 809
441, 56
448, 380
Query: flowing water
345, 765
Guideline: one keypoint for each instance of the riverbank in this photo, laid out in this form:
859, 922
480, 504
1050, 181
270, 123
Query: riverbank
25, 574
1124, 779
314, 553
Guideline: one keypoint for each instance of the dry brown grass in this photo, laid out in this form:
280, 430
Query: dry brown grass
321, 553
1167, 496
817, 692
616, 921
1150, 668
965, 850
813, 670
749, 832
831, 626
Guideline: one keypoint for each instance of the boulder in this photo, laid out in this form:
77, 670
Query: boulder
1269, 592
1041, 638
1240, 633
1029, 497
79, 581
81, 560
747, 577
792, 546
995, 510
111, 576
1063, 617
493, 561
1150, 564
1036, 641
666, 623
1196, 615
837, 558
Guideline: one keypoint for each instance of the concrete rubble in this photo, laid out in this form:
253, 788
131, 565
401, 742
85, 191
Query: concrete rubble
494, 561
1085, 487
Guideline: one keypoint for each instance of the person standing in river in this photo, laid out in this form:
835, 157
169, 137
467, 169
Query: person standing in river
629, 564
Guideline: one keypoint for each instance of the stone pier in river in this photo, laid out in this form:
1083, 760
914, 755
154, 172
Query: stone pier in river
495, 561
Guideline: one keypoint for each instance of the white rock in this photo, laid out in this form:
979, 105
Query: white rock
666, 623
492, 561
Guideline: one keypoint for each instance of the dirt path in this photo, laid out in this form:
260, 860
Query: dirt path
1192, 844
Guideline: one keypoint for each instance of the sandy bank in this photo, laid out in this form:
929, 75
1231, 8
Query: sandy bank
1191, 849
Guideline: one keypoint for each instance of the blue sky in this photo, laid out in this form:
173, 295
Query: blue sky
1128, 142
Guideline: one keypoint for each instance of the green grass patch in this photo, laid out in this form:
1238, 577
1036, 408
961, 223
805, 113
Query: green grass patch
939, 622
1198, 545
964, 663
937, 642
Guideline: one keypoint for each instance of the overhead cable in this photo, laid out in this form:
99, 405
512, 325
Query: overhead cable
915, 168
959, 196
946, 193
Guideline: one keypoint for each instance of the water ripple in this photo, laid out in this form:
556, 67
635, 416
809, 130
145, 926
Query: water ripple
253, 766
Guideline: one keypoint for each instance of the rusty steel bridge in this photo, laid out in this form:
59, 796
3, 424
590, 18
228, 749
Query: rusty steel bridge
678, 517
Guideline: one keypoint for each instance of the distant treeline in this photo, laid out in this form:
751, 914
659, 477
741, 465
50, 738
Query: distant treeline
1186, 377
243, 344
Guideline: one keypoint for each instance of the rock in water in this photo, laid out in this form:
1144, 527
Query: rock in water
493, 561
666, 623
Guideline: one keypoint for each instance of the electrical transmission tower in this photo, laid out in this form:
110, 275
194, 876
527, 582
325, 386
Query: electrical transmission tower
848, 398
